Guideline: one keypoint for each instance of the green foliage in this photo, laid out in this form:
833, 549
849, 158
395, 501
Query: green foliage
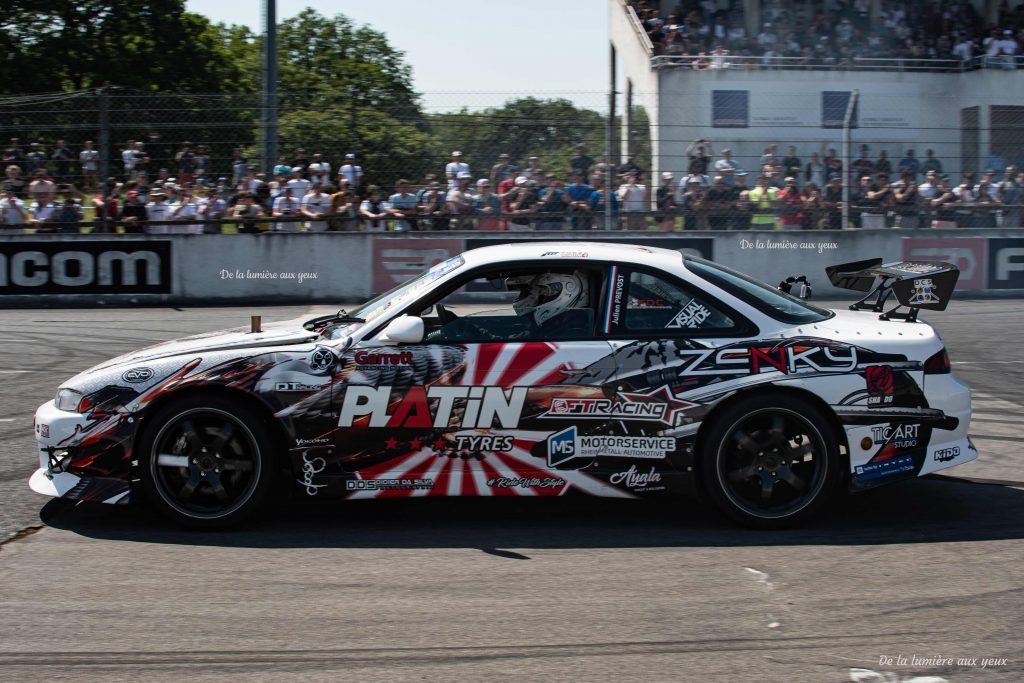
547, 129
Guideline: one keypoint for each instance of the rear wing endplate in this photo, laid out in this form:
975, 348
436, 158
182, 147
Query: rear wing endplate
915, 284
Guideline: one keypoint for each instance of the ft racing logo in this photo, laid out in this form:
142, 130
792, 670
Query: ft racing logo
426, 407
659, 405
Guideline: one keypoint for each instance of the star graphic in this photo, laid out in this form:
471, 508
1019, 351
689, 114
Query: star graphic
673, 405
391, 444
439, 444
416, 444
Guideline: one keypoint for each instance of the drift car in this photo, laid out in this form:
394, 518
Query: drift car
597, 369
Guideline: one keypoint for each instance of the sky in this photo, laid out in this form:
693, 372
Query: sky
473, 54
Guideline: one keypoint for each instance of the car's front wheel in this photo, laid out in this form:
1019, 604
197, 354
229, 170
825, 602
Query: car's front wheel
205, 462
770, 460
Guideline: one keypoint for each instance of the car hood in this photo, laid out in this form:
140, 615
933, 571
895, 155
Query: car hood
285, 333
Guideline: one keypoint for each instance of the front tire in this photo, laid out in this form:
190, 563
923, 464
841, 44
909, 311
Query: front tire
206, 463
770, 460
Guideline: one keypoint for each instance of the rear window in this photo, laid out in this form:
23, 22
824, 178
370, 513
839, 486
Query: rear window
764, 298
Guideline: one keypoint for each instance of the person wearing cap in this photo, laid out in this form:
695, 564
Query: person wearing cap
460, 201
763, 201
727, 167
133, 212
157, 211
282, 167
522, 203
454, 168
581, 162
487, 206
402, 207
351, 172
665, 199
634, 198
502, 170
286, 206
533, 170
552, 204
692, 204
791, 213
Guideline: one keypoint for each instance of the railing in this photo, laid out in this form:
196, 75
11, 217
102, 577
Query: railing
893, 64
638, 26
702, 218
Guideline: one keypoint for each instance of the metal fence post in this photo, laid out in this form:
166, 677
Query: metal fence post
104, 123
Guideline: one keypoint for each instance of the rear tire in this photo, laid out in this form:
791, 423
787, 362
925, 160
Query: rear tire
770, 460
206, 463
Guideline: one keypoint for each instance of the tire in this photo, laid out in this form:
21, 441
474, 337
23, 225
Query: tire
770, 460
206, 463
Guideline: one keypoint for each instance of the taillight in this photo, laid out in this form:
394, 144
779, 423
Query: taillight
937, 364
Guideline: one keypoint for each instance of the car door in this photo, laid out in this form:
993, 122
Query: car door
658, 325
470, 409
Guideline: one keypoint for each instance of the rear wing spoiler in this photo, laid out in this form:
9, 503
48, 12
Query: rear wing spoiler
915, 284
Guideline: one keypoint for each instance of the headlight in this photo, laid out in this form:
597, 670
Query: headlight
68, 399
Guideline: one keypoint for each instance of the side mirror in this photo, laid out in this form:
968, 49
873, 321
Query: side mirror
405, 329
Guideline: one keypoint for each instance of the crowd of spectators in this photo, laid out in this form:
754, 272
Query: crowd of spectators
839, 32
305, 193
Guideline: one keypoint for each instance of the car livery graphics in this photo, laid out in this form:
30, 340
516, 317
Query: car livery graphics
608, 416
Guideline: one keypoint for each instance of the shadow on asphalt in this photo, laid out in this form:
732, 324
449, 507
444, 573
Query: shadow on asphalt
936, 509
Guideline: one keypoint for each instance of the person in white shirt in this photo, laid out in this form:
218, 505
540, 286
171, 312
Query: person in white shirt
454, 168
187, 208
316, 204
157, 210
13, 209
298, 185
128, 157
211, 208
351, 172
43, 210
460, 201
633, 199
89, 159
374, 211
319, 171
286, 206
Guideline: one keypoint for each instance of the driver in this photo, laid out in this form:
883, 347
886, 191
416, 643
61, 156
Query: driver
545, 296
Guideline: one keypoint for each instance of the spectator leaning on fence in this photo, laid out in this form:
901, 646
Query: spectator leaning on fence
1011, 191
486, 206
633, 197
763, 200
454, 168
13, 209
522, 204
403, 207
578, 191
502, 170
665, 198
315, 206
286, 206
133, 212
374, 210
351, 172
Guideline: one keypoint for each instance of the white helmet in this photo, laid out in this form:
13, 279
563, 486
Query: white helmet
548, 294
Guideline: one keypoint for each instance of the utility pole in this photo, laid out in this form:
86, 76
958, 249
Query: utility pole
104, 150
269, 86
608, 137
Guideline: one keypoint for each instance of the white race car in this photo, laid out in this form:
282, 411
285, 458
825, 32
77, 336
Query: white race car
598, 369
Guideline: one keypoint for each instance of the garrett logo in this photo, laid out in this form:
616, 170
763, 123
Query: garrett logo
137, 375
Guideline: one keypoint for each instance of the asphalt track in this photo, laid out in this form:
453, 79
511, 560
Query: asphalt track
563, 589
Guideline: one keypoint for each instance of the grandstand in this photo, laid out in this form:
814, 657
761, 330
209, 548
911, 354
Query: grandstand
745, 75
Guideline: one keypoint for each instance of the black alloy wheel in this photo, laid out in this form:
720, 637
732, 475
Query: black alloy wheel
770, 461
205, 463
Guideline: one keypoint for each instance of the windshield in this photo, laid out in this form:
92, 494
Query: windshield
764, 298
406, 291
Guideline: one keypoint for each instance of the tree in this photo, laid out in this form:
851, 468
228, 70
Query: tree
152, 45
548, 129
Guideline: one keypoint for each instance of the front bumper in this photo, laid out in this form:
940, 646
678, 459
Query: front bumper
59, 435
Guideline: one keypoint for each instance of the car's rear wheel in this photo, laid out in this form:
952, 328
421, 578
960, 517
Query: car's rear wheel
770, 460
205, 462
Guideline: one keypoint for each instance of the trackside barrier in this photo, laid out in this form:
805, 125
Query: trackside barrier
276, 268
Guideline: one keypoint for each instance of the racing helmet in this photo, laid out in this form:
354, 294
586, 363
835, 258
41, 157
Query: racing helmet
548, 294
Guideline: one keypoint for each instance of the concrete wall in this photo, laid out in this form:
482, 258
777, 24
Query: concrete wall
305, 268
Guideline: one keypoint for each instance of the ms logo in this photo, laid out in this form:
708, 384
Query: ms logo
562, 447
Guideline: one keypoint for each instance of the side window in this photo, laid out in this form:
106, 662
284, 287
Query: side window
537, 304
655, 303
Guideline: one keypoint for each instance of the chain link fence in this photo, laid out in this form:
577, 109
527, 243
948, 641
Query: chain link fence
189, 163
